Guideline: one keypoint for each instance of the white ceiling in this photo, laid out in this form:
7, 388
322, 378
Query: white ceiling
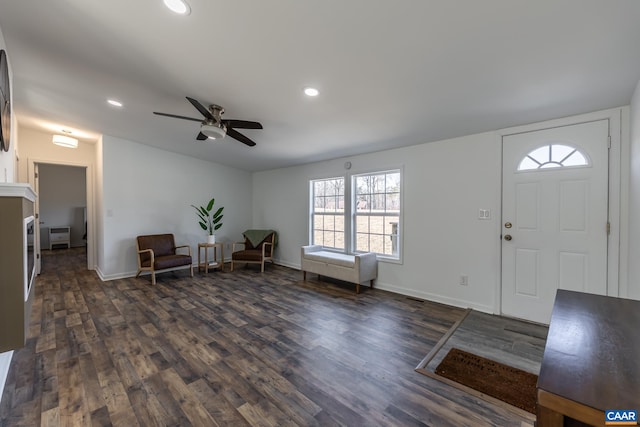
391, 73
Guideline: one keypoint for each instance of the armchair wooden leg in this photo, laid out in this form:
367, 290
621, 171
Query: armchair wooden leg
139, 271
262, 267
231, 265
304, 276
371, 283
358, 288
153, 277
191, 269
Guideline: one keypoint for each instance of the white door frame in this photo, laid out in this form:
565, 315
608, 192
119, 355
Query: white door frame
89, 181
618, 193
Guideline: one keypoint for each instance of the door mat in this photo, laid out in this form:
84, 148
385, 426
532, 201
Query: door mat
511, 385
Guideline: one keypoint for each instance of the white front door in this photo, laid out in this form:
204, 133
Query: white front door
554, 216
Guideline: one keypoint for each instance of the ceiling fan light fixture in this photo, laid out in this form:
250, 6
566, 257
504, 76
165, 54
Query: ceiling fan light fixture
213, 131
180, 7
65, 141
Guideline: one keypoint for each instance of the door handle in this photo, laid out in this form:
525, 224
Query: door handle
508, 237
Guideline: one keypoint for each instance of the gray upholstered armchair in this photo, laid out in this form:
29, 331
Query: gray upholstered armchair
258, 247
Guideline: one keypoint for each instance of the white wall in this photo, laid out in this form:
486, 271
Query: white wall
36, 145
150, 191
99, 203
634, 199
63, 199
7, 174
445, 184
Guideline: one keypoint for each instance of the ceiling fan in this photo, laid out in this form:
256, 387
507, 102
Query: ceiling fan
214, 126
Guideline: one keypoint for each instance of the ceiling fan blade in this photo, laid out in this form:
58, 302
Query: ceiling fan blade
242, 124
201, 136
177, 117
240, 137
201, 108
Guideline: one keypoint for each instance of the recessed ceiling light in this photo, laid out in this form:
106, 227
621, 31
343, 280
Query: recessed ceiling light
311, 91
114, 102
180, 7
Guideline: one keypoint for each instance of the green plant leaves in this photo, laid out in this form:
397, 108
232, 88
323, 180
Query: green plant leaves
209, 222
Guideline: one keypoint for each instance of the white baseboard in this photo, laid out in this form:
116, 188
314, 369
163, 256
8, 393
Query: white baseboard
115, 276
433, 297
286, 264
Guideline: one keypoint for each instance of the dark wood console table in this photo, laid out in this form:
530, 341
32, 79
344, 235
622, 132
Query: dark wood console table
591, 360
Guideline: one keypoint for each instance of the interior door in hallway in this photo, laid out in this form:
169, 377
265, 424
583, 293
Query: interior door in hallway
554, 216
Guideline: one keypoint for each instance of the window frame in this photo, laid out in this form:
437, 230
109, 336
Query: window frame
312, 212
354, 213
350, 212
561, 166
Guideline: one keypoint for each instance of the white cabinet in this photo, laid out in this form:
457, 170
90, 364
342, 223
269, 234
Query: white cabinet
60, 235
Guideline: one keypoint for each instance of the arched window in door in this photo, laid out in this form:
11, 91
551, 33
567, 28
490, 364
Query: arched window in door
553, 156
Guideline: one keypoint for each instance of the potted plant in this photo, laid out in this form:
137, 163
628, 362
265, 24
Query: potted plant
208, 221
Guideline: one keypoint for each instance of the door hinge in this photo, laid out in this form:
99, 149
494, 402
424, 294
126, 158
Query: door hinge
608, 228
37, 215
36, 174
38, 256
609, 141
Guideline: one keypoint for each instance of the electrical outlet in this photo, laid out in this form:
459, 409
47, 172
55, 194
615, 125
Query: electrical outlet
464, 280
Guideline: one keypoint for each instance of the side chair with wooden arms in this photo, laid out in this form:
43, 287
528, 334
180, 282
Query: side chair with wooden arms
158, 252
258, 248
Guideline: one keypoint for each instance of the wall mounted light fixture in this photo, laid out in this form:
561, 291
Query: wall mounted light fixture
65, 141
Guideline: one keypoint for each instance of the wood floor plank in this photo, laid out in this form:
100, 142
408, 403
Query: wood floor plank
191, 406
220, 409
47, 338
50, 418
49, 380
100, 417
90, 383
230, 349
116, 398
164, 408
265, 414
273, 386
73, 407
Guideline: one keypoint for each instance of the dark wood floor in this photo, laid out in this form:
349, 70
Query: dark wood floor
239, 348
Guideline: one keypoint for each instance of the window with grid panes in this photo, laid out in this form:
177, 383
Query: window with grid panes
376, 213
328, 213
